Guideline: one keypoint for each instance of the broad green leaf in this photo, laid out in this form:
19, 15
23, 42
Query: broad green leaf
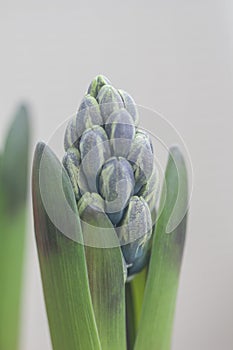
15, 161
13, 190
62, 259
12, 247
106, 279
155, 328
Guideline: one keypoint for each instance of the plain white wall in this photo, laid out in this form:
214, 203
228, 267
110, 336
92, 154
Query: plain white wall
172, 56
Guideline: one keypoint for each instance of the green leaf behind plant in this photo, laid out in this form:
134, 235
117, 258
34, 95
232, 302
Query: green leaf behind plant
155, 328
13, 190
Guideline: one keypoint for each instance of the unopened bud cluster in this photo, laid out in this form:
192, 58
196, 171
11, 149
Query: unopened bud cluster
110, 162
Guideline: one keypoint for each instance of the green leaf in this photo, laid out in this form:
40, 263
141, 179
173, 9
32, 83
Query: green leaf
13, 190
15, 161
62, 259
155, 328
12, 247
106, 279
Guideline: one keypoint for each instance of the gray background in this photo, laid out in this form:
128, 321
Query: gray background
173, 56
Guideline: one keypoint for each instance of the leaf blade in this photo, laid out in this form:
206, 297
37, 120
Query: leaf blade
155, 329
13, 192
15, 160
106, 279
63, 268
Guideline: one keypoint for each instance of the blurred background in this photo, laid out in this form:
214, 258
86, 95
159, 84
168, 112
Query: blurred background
173, 56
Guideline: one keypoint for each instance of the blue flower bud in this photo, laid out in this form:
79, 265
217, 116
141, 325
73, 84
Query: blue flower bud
116, 185
71, 162
130, 106
71, 136
94, 150
109, 101
150, 190
141, 159
82, 182
134, 233
88, 115
97, 84
121, 190
97, 228
121, 131
92, 201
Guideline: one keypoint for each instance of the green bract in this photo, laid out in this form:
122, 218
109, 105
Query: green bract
117, 163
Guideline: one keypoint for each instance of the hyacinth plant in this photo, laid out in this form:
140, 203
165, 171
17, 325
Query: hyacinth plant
109, 268
13, 190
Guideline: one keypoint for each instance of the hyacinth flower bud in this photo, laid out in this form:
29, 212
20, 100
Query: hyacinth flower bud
121, 131
92, 212
130, 106
109, 101
134, 233
97, 84
149, 191
141, 158
71, 162
71, 136
94, 150
116, 164
88, 114
116, 185
90, 201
